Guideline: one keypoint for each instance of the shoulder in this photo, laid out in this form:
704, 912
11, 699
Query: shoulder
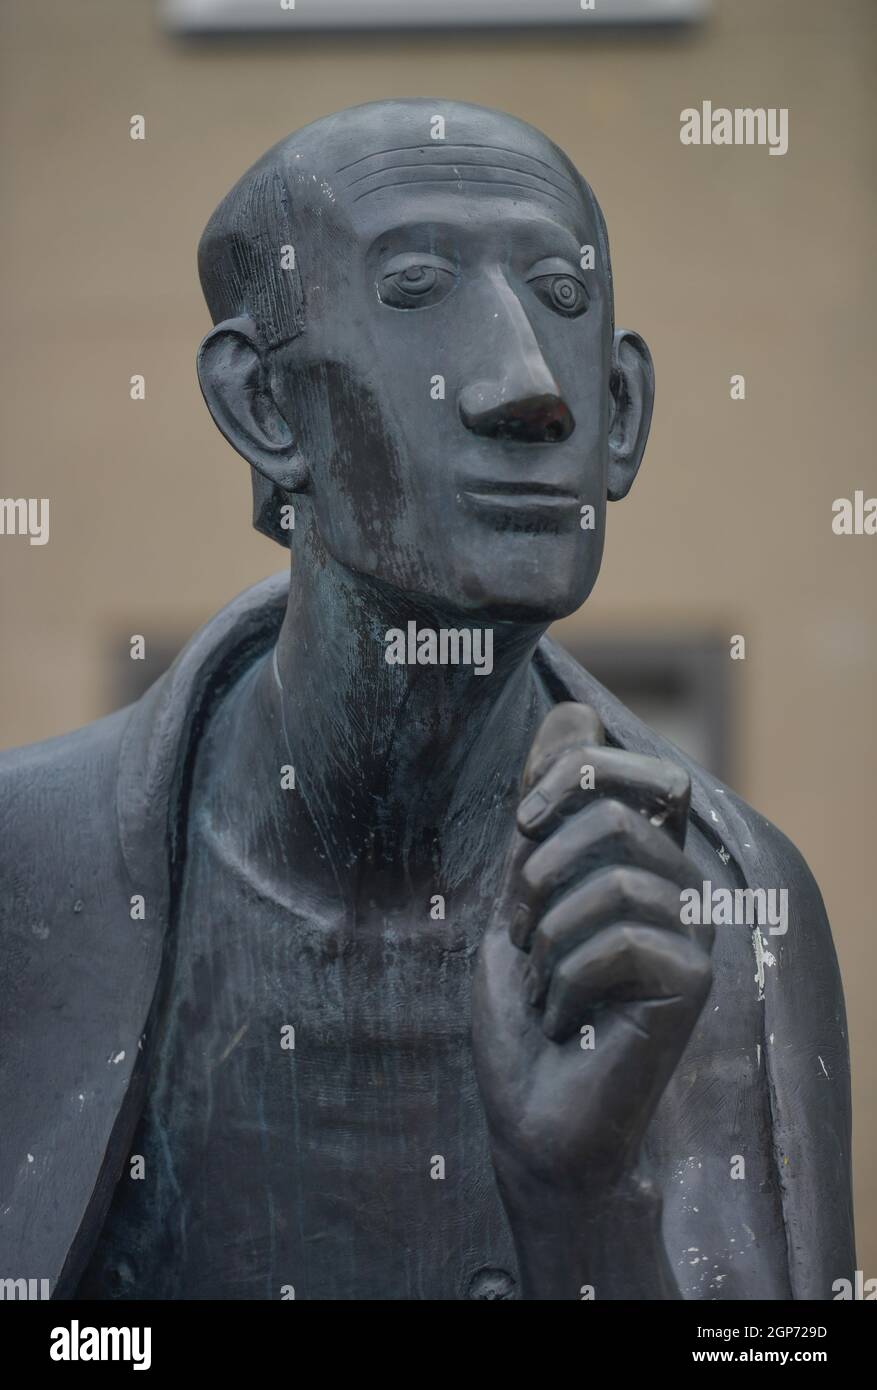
62, 872
46, 763
57, 799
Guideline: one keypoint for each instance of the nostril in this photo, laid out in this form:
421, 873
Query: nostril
510, 428
526, 419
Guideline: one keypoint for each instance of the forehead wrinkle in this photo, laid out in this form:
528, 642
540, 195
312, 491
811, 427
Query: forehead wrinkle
462, 145
453, 164
487, 183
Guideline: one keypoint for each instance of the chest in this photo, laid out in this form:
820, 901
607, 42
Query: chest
365, 990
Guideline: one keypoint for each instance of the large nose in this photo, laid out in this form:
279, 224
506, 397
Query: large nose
521, 399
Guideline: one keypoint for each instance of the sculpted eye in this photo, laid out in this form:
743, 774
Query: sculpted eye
417, 279
564, 293
413, 282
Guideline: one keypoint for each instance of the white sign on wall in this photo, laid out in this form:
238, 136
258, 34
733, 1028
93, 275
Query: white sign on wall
204, 16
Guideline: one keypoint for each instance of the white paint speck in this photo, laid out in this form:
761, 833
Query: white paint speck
758, 948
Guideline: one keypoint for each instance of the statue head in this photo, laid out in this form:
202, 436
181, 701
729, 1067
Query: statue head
414, 345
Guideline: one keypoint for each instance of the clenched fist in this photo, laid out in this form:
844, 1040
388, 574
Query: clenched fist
588, 985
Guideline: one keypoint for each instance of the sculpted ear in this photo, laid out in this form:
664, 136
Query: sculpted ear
632, 390
236, 386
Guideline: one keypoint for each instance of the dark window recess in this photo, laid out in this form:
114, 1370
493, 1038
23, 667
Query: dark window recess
680, 687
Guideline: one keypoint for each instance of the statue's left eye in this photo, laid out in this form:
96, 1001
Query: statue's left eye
563, 293
414, 286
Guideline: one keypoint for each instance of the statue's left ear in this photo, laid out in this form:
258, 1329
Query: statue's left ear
632, 394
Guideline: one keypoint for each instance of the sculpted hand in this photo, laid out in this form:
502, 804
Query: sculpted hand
588, 985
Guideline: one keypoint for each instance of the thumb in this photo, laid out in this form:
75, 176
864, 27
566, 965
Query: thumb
568, 725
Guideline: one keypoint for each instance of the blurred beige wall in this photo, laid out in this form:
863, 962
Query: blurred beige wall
728, 260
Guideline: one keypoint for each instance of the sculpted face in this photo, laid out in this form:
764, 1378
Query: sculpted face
449, 396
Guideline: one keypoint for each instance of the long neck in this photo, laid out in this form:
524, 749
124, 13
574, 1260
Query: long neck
403, 772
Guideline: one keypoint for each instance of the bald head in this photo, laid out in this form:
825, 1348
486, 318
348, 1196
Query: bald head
313, 189
342, 161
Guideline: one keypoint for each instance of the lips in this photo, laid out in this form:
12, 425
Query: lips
521, 505
530, 496
527, 488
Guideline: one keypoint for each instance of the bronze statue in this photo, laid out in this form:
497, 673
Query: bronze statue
359, 959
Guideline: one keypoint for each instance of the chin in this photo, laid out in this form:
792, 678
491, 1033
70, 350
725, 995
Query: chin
525, 593
533, 604
531, 612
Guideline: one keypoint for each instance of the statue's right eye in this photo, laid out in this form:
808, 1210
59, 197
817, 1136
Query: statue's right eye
415, 281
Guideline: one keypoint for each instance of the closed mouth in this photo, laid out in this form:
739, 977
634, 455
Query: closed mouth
530, 498
520, 491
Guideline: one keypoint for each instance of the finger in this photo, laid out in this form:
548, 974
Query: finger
659, 789
625, 963
605, 834
611, 896
567, 725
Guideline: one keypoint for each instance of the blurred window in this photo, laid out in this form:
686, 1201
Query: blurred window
678, 686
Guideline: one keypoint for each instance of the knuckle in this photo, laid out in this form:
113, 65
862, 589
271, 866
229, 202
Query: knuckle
531, 877
565, 768
547, 936
625, 886
565, 974
678, 783
615, 817
629, 940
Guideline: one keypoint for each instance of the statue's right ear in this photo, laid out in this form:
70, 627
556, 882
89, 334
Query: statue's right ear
235, 382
